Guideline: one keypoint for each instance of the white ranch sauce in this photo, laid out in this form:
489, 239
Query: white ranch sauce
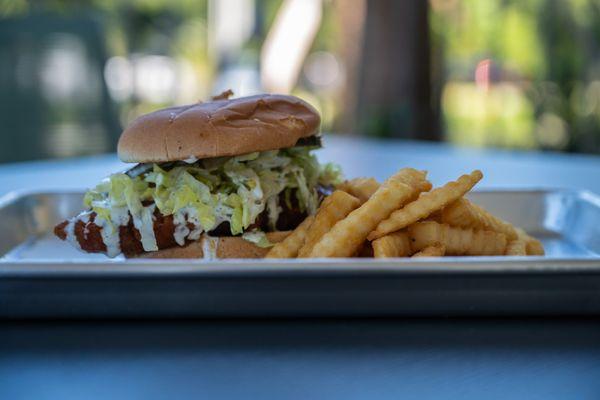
85, 218
192, 217
181, 230
144, 223
70, 231
185, 217
273, 210
119, 215
109, 229
110, 236
209, 247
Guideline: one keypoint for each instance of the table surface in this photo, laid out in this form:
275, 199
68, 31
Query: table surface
310, 359
349, 359
358, 157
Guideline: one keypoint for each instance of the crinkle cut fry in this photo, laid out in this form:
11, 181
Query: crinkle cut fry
427, 204
365, 250
288, 248
435, 250
465, 214
361, 188
516, 247
396, 244
347, 235
334, 208
534, 247
457, 241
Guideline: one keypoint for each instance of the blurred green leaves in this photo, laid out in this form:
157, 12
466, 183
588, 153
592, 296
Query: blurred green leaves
544, 79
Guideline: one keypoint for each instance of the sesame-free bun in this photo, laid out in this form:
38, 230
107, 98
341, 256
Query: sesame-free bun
220, 247
218, 128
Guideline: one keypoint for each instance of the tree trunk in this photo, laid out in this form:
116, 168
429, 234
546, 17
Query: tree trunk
394, 95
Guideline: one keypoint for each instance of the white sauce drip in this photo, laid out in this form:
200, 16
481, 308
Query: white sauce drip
273, 211
181, 229
84, 216
109, 229
119, 215
195, 233
144, 223
198, 228
70, 231
209, 247
110, 236
70, 228
181, 219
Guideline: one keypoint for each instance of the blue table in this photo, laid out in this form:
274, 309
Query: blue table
304, 359
360, 359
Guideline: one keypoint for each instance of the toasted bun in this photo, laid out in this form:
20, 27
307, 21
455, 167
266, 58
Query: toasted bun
220, 247
218, 128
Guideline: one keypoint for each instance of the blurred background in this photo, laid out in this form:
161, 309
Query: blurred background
522, 74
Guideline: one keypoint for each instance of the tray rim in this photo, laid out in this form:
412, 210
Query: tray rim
449, 266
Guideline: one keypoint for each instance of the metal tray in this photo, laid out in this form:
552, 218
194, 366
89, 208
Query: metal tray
43, 277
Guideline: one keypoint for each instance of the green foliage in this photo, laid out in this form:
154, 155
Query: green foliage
9, 8
545, 51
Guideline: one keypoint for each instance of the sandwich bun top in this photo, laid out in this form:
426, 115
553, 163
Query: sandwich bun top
218, 128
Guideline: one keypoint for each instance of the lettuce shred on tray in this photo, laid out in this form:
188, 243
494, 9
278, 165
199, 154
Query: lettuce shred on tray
257, 237
233, 189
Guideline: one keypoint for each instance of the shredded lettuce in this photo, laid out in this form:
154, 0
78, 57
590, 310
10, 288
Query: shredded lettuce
259, 238
233, 189
330, 175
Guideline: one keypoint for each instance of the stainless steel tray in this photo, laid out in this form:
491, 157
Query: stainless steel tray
41, 276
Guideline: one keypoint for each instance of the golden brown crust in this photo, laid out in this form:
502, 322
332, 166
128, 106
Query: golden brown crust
218, 128
225, 246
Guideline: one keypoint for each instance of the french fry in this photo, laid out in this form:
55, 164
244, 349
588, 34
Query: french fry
516, 247
365, 250
435, 216
361, 188
403, 218
456, 240
533, 246
436, 250
467, 214
395, 244
288, 248
464, 214
334, 208
426, 204
347, 235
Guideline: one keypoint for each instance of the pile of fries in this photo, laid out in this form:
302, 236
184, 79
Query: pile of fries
404, 217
